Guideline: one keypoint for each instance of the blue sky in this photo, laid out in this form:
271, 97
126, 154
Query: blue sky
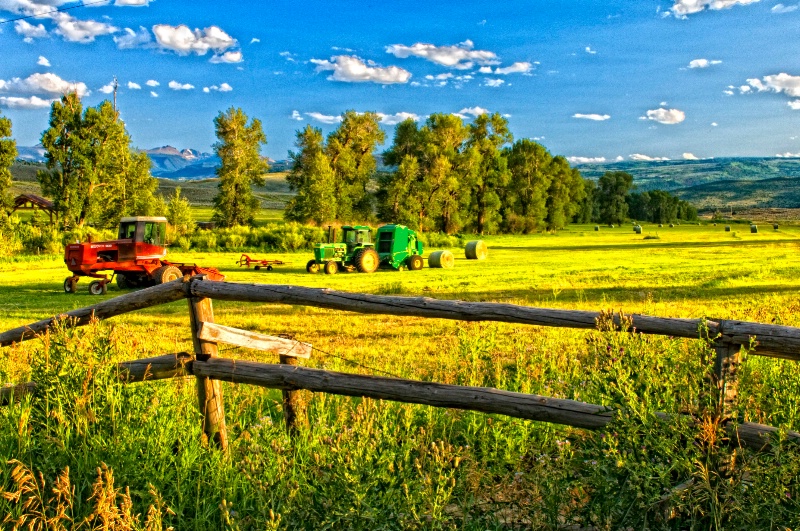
591, 80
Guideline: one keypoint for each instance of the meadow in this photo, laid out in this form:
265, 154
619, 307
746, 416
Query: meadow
89, 451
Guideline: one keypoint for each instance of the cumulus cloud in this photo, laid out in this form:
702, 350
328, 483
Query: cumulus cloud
589, 50
296, 116
349, 68
174, 85
665, 116
795, 105
132, 3
184, 41
494, 82
43, 61
134, 39
134, 86
714, 124
682, 8
152, 83
32, 102
396, 118
224, 87
690, 156
646, 158
153, 94
516, 68
780, 83
49, 84
586, 160
254, 40
595, 117
460, 56
29, 31
786, 155
107, 89
324, 118
703, 63
233, 56
780, 9
81, 31
471, 111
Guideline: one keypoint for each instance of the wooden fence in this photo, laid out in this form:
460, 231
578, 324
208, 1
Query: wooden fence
726, 337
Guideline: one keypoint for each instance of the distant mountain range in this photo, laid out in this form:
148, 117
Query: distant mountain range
168, 162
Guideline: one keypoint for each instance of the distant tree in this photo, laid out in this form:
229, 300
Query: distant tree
588, 209
350, 151
179, 214
241, 167
525, 198
401, 193
613, 190
564, 195
8, 153
487, 135
312, 178
640, 206
687, 211
93, 174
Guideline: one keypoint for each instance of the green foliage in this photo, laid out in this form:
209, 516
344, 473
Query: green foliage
564, 195
8, 152
487, 136
612, 194
660, 207
92, 173
312, 179
179, 215
525, 199
35, 236
241, 167
285, 237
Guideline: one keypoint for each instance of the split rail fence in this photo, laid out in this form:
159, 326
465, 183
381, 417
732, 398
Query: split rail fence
725, 336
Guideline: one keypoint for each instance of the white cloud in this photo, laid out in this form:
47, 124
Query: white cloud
590, 51
714, 124
439, 77
289, 56
586, 160
471, 111
81, 31
681, 8
485, 70
516, 68
646, 158
32, 102
780, 83
184, 41
779, 9
296, 116
152, 83
795, 105
350, 68
134, 39
460, 56
595, 117
153, 94
665, 116
43, 61
48, 83
786, 155
394, 119
324, 118
254, 40
29, 31
134, 86
132, 3
224, 87
703, 63
619, 158
107, 89
690, 156
233, 56
174, 85
494, 82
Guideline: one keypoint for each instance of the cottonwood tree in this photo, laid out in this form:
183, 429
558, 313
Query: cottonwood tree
564, 194
613, 191
487, 135
313, 180
179, 214
241, 167
93, 174
8, 153
525, 198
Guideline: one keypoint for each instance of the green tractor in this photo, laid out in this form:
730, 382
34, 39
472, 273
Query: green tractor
396, 246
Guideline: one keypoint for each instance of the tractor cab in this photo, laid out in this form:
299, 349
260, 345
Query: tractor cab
356, 236
149, 230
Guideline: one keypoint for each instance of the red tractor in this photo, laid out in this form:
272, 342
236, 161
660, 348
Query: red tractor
135, 258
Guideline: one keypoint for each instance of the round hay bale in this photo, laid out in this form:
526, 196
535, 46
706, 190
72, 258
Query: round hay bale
727, 228
611, 226
441, 259
637, 229
671, 225
476, 250
715, 224
660, 224
775, 226
597, 227
754, 229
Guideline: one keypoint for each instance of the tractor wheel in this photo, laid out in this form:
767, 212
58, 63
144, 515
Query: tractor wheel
97, 288
69, 285
414, 262
331, 267
366, 260
167, 274
312, 266
269, 268
257, 267
123, 282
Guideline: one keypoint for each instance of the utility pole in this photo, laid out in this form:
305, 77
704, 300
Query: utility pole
115, 83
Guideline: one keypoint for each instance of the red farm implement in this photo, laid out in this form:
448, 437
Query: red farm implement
135, 258
247, 261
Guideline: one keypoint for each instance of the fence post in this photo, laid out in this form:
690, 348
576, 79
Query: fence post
293, 410
726, 369
209, 392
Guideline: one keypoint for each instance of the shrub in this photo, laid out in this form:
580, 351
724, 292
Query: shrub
204, 240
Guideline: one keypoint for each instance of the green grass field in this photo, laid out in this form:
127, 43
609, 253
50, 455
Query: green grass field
365, 464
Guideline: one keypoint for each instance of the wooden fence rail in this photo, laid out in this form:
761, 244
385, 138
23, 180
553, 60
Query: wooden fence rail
725, 336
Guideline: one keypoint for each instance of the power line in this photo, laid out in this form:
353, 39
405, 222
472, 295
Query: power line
38, 15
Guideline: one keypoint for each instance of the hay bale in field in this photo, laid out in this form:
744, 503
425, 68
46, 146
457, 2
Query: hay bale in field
441, 259
476, 250
775, 226
611, 225
754, 229
637, 229
715, 224
672, 225
727, 228
660, 224
597, 227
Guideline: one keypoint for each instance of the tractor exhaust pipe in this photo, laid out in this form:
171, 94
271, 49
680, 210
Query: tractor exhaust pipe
331, 234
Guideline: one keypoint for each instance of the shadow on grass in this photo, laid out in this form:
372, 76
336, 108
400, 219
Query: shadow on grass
651, 244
